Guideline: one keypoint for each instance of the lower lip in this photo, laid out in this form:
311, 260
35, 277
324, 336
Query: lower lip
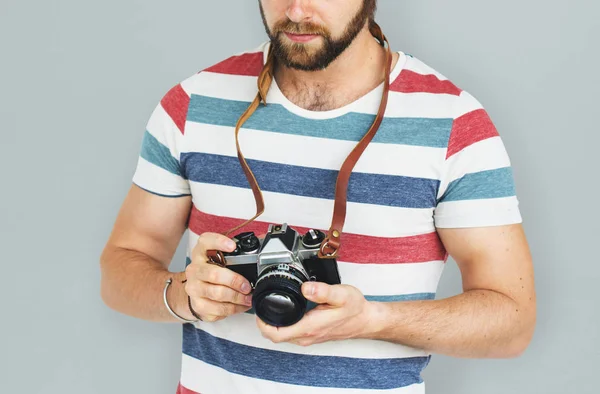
301, 37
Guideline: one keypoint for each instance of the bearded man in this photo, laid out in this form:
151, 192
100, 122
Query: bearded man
433, 180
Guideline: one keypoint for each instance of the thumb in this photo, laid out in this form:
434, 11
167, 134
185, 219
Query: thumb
322, 293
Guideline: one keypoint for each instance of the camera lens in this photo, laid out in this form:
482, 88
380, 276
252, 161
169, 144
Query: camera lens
279, 303
277, 298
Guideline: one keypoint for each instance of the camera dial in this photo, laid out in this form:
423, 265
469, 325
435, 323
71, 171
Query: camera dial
313, 238
248, 242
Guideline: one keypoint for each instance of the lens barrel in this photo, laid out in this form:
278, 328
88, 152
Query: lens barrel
277, 299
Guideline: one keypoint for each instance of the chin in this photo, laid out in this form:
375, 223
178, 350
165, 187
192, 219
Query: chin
302, 62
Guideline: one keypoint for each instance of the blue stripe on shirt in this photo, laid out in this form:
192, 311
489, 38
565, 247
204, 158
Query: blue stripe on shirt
300, 369
427, 132
158, 154
378, 189
481, 185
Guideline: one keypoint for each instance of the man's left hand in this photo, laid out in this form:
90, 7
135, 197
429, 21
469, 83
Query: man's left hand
343, 313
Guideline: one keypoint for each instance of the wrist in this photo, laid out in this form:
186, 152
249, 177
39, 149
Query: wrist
376, 316
177, 296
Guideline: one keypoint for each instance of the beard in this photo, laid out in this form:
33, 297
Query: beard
308, 57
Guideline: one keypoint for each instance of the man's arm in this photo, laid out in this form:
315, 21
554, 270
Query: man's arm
135, 260
494, 316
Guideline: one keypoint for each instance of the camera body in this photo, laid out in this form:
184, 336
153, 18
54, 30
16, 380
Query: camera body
276, 267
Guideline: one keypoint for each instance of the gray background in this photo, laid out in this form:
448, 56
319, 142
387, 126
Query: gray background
79, 79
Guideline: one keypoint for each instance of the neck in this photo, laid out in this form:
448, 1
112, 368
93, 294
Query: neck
359, 69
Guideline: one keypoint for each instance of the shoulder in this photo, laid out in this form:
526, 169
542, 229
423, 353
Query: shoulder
445, 97
229, 73
448, 114
233, 78
430, 94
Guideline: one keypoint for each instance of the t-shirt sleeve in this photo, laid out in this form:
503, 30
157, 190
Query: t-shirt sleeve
477, 188
159, 169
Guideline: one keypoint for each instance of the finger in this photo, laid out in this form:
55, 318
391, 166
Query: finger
225, 294
206, 307
268, 331
225, 277
304, 342
212, 319
212, 241
305, 328
322, 293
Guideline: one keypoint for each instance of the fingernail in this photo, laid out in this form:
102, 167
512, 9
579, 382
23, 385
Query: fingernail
248, 300
230, 244
245, 288
310, 289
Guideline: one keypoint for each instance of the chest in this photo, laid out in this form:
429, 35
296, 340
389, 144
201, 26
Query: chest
319, 97
392, 189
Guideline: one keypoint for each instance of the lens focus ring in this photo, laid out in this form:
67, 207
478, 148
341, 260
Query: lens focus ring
277, 297
280, 274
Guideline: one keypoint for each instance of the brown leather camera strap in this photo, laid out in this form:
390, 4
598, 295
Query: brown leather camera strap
331, 244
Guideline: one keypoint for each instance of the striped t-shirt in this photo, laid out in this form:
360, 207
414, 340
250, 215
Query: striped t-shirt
436, 161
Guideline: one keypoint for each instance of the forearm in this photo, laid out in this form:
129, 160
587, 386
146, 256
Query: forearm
477, 323
133, 284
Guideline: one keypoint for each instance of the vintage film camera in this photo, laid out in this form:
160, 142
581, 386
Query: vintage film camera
277, 266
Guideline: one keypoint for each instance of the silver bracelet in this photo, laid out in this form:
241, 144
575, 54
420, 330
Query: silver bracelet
175, 315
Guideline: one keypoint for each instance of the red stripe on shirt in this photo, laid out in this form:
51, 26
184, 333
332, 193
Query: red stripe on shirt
249, 64
468, 129
411, 82
183, 390
175, 104
360, 249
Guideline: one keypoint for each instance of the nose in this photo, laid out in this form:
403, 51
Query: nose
298, 11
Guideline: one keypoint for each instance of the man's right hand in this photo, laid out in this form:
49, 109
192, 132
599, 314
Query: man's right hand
215, 292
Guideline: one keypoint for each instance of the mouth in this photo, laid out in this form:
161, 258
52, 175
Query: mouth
301, 38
